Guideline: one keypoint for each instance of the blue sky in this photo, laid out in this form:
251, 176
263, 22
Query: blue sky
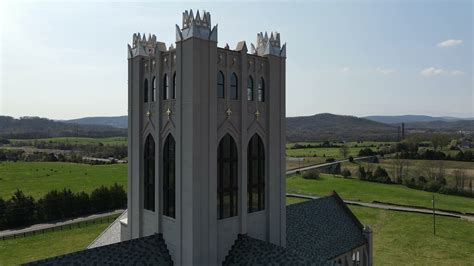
68, 59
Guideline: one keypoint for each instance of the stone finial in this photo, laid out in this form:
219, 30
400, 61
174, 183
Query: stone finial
196, 26
269, 45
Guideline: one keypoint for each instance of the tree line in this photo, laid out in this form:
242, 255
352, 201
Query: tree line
22, 210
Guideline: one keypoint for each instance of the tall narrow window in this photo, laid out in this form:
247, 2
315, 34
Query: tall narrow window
250, 89
169, 177
261, 90
149, 174
153, 90
234, 87
255, 174
174, 86
220, 85
227, 183
165, 87
145, 91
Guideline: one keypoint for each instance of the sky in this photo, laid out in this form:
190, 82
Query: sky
68, 59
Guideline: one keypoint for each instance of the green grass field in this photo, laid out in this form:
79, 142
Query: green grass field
37, 178
77, 140
355, 189
321, 152
32, 248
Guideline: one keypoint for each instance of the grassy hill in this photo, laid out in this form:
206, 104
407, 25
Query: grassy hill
114, 121
36, 127
321, 127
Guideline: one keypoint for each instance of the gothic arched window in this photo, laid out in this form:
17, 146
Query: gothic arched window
145, 91
153, 90
227, 181
255, 174
149, 174
261, 90
220, 85
165, 87
174, 86
250, 88
234, 87
169, 177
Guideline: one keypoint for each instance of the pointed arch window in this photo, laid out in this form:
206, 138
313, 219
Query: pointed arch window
227, 181
250, 89
149, 174
173, 96
234, 87
169, 177
153, 90
220, 85
255, 174
145, 91
261, 90
165, 87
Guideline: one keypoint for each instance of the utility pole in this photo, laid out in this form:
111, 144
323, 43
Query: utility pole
434, 217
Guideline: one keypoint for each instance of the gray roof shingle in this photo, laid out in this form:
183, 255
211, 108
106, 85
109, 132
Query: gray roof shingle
150, 250
322, 229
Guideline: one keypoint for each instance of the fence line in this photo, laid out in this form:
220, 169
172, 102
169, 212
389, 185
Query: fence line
59, 227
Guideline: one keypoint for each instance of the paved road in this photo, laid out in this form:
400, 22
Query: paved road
316, 166
39, 227
394, 207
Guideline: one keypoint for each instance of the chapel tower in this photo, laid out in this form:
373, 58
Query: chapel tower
206, 141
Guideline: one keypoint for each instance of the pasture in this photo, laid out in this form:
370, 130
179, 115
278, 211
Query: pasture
37, 178
41, 246
354, 189
74, 140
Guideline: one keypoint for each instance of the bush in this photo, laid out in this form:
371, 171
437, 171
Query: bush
330, 160
19, 210
351, 159
311, 175
366, 152
361, 173
346, 173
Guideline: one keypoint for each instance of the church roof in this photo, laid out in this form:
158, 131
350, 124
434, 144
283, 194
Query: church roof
323, 228
150, 250
318, 230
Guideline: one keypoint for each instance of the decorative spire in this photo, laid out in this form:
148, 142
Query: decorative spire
143, 46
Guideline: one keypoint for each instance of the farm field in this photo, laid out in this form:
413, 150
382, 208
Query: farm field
292, 164
75, 140
354, 189
32, 248
37, 178
416, 167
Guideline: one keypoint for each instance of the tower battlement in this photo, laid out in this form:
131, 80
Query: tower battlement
189, 20
143, 46
196, 26
269, 45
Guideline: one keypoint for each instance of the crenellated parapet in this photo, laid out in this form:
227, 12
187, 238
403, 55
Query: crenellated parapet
196, 26
269, 45
143, 46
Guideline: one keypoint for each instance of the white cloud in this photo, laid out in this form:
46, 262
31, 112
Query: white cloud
385, 71
449, 43
345, 69
432, 71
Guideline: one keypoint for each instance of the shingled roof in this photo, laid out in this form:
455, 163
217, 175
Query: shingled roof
318, 230
250, 251
150, 250
322, 229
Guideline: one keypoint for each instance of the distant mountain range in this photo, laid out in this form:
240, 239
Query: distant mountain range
398, 119
337, 127
114, 121
317, 127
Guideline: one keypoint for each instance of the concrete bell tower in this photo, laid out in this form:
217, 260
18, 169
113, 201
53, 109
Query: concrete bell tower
223, 173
